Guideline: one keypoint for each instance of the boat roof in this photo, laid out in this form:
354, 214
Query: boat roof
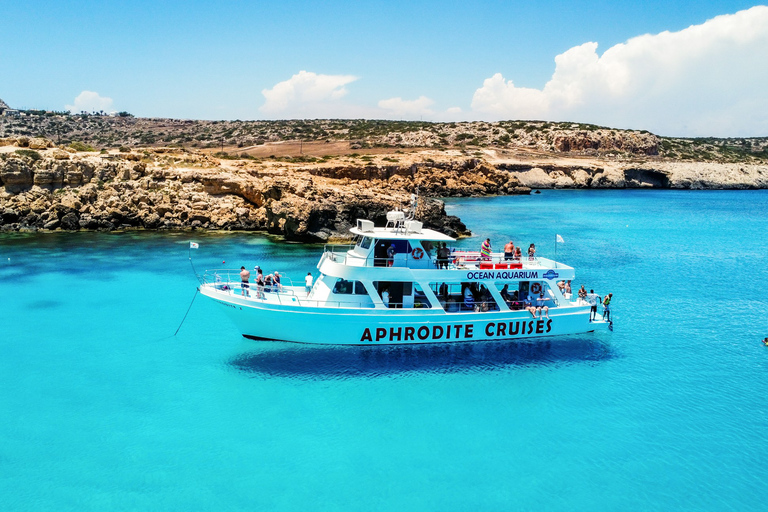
403, 234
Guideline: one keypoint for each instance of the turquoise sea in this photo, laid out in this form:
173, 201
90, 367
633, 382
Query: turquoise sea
102, 408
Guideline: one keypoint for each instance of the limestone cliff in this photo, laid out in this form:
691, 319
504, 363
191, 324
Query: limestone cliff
123, 191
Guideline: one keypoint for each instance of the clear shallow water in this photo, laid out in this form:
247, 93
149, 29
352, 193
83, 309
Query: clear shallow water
102, 408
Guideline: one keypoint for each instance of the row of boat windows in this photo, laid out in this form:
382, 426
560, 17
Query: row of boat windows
454, 296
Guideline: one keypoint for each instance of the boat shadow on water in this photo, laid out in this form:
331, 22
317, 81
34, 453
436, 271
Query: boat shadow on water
310, 362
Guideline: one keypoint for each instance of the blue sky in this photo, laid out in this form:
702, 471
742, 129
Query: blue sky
688, 68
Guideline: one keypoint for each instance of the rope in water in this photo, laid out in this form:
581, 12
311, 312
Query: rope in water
185, 314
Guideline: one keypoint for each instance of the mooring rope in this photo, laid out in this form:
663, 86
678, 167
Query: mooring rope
185, 314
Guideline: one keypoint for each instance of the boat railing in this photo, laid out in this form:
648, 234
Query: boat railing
231, 276
344, 255
229, 282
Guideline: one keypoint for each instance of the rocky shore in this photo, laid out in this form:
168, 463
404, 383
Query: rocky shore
45, 187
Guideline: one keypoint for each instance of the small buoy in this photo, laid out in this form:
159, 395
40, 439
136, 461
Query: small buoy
223, 262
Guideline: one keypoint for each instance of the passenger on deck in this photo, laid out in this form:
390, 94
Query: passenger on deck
484, 298
485, 250
592, 299
469, 298
260, 284
245, 277
391, 255
567, 293
518, 254
308, 282
542, 304
529, 307
607, 307
506, 295
509, 251
561, 285
582, 294
276, 280
385, 297
268, 283
443, 292
531, 252
442, 256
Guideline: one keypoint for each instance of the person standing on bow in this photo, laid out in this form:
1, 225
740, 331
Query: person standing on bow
485, 250
245, 277
531, 252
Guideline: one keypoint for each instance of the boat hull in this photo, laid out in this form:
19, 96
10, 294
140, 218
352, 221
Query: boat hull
341, 326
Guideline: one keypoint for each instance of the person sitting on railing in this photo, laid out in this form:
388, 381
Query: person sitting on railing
485, 250
276, 281
529, 306
245, 277
268, 283
542, 304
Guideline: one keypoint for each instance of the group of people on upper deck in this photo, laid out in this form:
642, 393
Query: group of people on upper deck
510, 251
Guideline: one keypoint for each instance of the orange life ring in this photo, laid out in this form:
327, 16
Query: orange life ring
417, 253
535, 288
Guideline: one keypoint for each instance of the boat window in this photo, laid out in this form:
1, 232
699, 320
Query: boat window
344, 287
461, 297
365, 242
402, 294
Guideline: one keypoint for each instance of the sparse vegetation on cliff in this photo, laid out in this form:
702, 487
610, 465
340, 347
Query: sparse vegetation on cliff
247, 137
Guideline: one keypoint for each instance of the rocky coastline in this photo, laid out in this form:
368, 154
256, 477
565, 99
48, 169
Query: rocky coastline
48, 187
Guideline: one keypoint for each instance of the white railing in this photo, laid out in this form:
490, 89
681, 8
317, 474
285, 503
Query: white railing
228, 281
343, 255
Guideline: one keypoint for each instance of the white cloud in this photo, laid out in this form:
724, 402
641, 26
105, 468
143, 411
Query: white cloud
707, 79
90, 101
307, 94
411, 109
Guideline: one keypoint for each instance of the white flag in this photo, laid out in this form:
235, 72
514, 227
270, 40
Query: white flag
560, 239
194, 245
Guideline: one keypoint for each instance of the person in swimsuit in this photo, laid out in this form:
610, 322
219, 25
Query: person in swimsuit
509, 250
245, 277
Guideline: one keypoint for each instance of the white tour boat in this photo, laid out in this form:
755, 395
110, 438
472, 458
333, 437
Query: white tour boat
394, 287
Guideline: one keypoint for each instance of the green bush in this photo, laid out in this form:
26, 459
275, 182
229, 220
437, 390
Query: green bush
81, 146
29, 153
